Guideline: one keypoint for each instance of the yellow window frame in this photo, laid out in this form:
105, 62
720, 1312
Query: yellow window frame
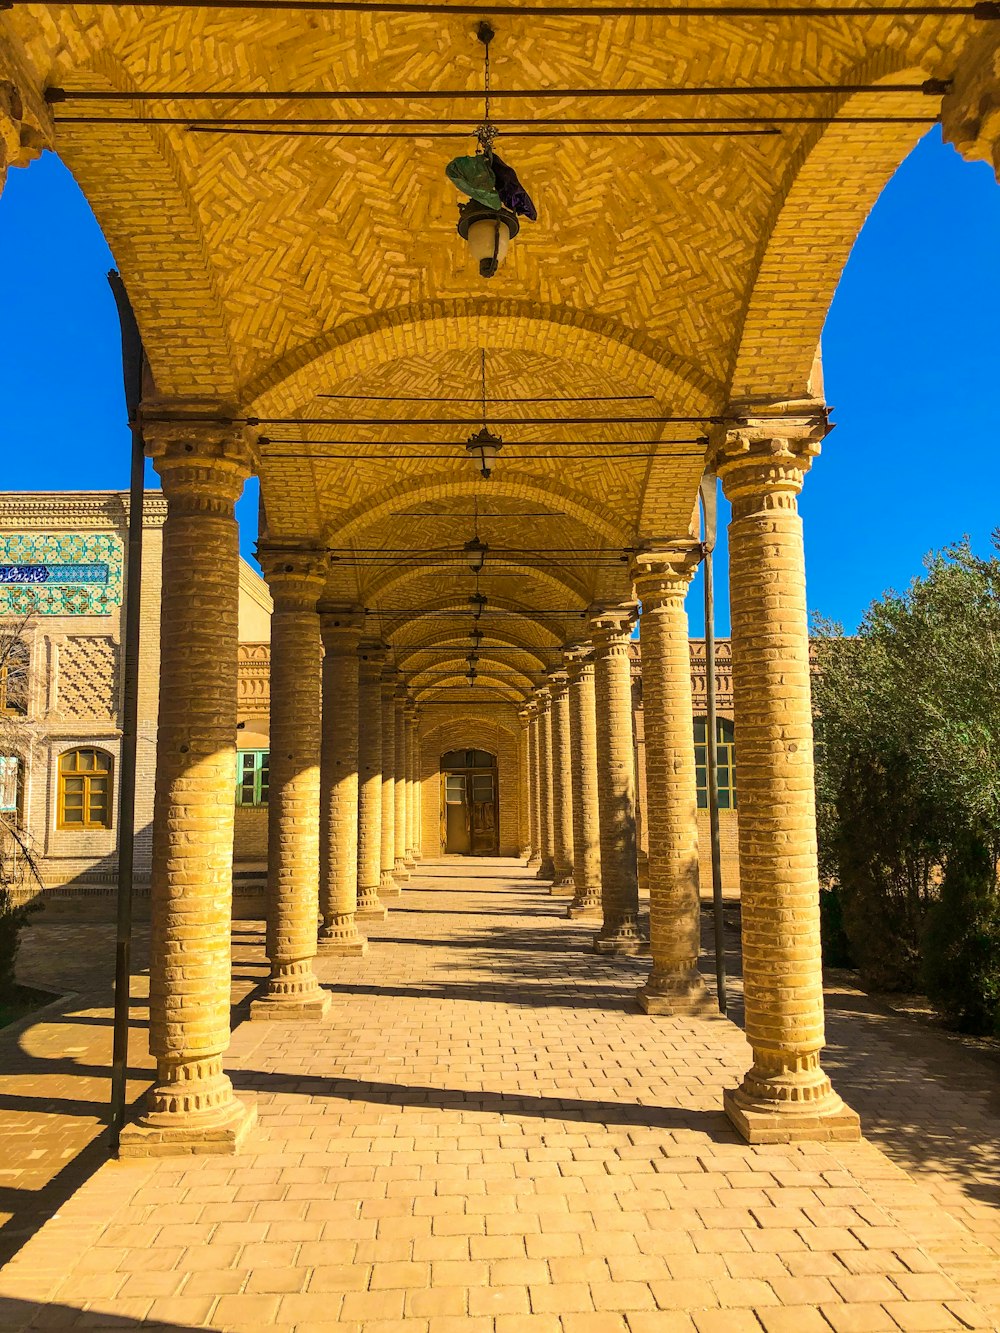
88, 777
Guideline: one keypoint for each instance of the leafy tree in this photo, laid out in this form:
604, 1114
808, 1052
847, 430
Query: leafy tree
18, 864
908, 779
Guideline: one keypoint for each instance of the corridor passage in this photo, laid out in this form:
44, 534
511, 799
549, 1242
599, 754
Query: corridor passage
486, 1136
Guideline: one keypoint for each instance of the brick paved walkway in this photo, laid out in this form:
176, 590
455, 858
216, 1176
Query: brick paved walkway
486, 1137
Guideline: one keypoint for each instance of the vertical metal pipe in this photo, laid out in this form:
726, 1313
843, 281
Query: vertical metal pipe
709, 510
132, 367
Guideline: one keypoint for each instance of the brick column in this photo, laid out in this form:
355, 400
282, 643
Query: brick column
387, 884
338, 830
611, 631
586, 808
400, 871
534, 780
411, 783
371, 660
674, 986
21, 139
418, 814
296, 580
562, 786
969, 117
524, 787
543, 703
786, 1096
191, 1107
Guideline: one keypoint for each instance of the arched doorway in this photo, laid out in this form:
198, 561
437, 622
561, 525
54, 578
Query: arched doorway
469, 803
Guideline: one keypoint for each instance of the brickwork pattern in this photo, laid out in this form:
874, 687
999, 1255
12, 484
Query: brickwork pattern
338, 843
400, 872
610, 631
524, 786
411, 784
674, 985
534, 787
191, 1105
87, 685
371, 661
296, 582
546, 821
786, 1092
562, 785
387, 884
586, 805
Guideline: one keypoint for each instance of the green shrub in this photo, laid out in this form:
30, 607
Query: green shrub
12, 919
836, 946
962, 942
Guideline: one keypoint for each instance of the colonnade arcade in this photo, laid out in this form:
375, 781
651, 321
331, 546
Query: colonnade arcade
310, 316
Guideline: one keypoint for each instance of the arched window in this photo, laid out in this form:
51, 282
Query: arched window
14, 661
727, 762
84, 789
468, 759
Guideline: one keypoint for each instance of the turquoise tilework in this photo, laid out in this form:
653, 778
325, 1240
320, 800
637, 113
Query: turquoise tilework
85, 573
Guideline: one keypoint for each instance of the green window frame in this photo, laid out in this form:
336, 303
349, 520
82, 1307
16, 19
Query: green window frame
252, 776
726, 750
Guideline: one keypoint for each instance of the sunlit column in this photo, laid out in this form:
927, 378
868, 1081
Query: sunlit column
543, 702
371, 660
562, 785
611, 630
400, 872
411, 783
296, 580
786, 1096
523, 787
387, 884
674, 984
586, 808
534, 795
191, 1106
338, 842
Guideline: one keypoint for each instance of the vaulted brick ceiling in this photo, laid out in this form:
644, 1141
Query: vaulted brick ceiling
688, 271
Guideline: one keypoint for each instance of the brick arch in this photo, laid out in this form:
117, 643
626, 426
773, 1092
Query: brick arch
561, 583
463, 728
364, 518
496, 322
135, 186
449, 638
829, 189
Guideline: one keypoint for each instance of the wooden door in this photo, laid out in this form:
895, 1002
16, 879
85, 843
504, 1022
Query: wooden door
482, 790
456, 829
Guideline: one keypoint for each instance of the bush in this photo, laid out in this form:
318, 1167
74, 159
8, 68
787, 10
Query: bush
12, 919
836, 945
962, 942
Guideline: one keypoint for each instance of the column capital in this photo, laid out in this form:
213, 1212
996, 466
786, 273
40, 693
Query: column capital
390, 680
767, 448
295, 575
201, 454
970, 111
21, 139
402, 694
664, 576
611, 626
578, 660
341, 627
371, 660
543, 698
558, 680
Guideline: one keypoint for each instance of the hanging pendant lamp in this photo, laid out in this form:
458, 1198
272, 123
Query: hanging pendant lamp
483, 446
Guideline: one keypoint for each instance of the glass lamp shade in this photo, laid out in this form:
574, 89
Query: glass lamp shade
475, 553
477, 637
471, 675
478, 601
483, 448
488, 232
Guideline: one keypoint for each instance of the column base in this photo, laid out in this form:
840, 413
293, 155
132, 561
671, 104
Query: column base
577, 911
387, 886
621, 937
372, 913
525, 855
399, 870
410, 861
586, 902
563, 888
355, 948
546, 869
831, 1121
675, 993
291, 1008
156, 1137
535, 859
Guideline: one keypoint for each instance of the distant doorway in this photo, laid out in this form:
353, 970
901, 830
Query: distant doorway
469, 803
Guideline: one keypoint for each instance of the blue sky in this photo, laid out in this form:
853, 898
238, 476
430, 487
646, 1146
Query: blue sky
911, 351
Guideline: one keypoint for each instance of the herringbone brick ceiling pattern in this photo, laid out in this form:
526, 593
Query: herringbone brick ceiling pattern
690, 271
